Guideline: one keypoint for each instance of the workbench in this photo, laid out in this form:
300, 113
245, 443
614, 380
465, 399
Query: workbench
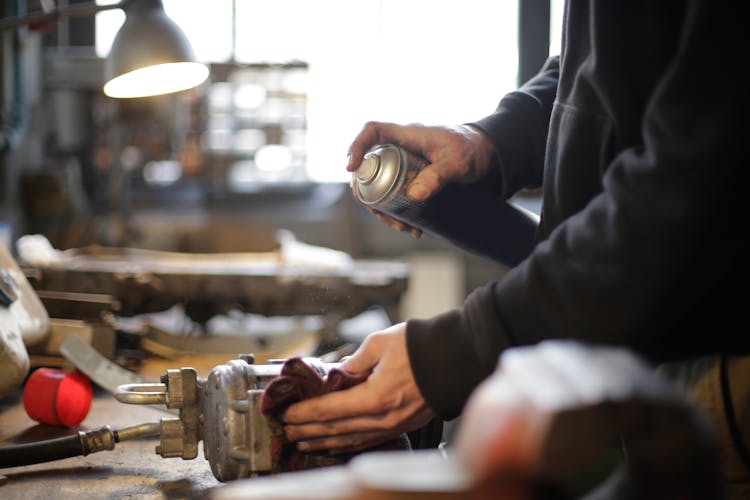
131, 470
145, 281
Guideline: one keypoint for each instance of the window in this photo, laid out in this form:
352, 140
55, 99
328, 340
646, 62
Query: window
555, 28
428, 61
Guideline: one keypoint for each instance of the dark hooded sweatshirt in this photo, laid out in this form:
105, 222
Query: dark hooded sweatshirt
634, 133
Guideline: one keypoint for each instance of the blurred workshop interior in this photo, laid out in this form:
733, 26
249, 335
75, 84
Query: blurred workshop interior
145, 236
261, 145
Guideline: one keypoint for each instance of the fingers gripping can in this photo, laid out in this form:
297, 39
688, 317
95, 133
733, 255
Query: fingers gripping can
467, 215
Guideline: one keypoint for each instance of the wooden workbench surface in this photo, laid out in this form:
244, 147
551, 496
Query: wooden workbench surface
131, 470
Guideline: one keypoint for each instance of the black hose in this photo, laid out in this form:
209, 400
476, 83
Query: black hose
80, 444
41, 451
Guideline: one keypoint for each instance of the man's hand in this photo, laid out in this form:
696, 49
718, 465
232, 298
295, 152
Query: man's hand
381, 408
461, 153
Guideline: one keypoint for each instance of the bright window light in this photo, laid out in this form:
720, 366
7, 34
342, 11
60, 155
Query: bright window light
428, 61
249, 96
555, 29
273, 158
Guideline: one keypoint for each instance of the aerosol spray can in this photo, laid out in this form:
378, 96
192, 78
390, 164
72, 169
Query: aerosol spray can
466, 215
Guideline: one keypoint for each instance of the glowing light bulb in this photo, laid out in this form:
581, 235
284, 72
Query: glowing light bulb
156, 80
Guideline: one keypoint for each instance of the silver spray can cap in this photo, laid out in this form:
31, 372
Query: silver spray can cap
378, 174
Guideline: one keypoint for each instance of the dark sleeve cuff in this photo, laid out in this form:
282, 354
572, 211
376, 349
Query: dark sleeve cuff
518, 130
452, 353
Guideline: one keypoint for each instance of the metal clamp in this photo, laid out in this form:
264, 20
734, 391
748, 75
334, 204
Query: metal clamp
142, 394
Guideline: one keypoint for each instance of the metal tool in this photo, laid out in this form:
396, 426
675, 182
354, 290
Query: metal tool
468, 215
207, 285
223, 411
99, 369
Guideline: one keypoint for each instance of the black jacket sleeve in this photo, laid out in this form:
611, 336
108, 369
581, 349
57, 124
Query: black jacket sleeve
518, 129
642, 262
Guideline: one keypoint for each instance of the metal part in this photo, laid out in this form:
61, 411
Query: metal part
77, 304
97, 440
142, 394
223, 411
228, 399
137, 431
470, 216
382, 175
107, 374
144, 281
179, 391
173, 439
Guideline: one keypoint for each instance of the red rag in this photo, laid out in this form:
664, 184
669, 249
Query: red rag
298, 381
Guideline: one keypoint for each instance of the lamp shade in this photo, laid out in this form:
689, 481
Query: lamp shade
150, 55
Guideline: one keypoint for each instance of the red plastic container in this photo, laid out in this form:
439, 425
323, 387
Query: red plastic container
57, 397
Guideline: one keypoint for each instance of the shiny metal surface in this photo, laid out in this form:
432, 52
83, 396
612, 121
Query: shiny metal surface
223, 411
142, 394
148, 429
381, 174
